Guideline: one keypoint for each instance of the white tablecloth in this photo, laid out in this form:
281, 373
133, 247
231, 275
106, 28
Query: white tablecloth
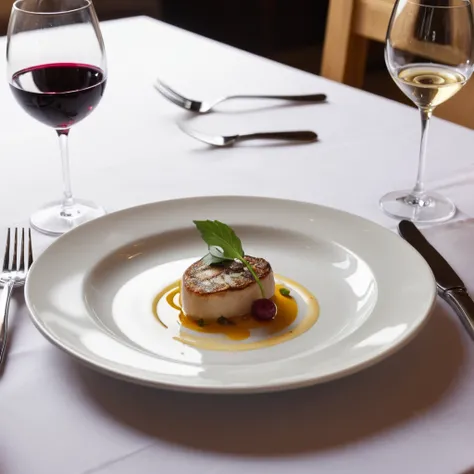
413, 413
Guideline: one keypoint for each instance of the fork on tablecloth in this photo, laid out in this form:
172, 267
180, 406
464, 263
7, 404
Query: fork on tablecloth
205, 107
13, 275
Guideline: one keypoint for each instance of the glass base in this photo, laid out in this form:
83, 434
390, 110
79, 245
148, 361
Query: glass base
54, 219
428, 208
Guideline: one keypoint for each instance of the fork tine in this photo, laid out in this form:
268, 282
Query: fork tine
172, 95
30, 250
169, 91
15, 247
173, 98
6, 259
22, 253
162, 88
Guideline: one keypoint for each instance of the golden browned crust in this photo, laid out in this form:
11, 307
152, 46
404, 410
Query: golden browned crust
203, 279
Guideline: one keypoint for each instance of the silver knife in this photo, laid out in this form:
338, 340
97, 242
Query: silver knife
450, 286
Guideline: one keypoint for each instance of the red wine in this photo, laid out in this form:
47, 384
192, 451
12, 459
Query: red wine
59, 95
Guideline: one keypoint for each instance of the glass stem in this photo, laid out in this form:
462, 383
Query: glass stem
68, 200
419, 189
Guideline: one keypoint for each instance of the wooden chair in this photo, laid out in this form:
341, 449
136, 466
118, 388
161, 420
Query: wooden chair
5, 10
351, 25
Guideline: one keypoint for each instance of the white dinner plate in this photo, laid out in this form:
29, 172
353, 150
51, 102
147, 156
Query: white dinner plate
91, 293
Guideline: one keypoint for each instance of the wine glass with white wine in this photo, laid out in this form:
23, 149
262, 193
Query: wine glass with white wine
429, 53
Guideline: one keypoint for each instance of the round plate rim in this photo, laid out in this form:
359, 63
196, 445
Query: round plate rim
262, 387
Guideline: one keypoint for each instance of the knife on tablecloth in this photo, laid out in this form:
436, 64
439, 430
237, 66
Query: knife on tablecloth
450, 286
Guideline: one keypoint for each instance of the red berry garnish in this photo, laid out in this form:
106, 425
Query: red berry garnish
264, 309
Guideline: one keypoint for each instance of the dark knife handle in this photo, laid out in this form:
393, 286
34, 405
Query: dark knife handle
296, 98
303, 136
463, 304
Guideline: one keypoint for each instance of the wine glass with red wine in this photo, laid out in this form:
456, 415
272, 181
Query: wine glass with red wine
57, 72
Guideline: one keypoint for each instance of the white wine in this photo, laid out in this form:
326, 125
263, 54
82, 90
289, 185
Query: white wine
429, 85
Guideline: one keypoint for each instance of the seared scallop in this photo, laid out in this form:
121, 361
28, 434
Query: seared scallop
229, 289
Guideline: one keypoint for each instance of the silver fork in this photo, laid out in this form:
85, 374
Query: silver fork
204, 107
13, 275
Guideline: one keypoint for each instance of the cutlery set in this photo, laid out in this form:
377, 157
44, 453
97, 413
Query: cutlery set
18, 257
450, 286
201, 107
18, 260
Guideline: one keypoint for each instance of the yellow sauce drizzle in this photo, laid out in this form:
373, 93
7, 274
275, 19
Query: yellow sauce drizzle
171, 296
287, 311
287, 324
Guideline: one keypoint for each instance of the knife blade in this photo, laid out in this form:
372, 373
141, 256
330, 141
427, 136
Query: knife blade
450, 286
